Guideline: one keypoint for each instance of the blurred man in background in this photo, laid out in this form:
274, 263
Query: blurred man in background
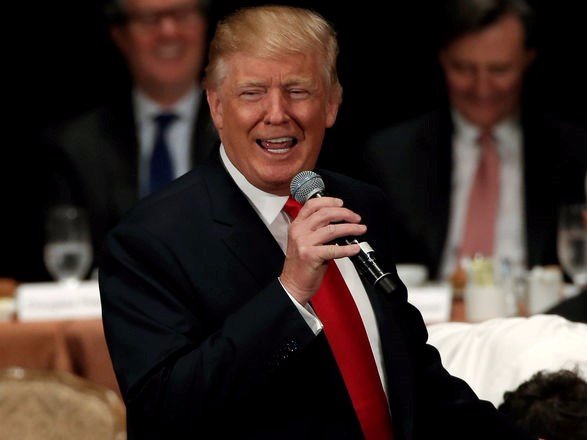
487, 173
109, 157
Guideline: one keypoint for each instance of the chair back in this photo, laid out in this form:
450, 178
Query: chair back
56, 405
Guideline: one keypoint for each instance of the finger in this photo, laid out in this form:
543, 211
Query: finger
334, 251
325, 216
313, 205
332, 232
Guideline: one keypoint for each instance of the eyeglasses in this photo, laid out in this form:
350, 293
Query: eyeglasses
183, 15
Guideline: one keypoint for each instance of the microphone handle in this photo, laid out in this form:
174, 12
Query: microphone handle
365, 261
368, 268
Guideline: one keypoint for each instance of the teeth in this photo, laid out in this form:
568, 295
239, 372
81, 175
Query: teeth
168, 51
277, 150
279, 140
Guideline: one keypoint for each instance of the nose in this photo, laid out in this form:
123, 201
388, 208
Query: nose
277, 108
168, 24
482, 83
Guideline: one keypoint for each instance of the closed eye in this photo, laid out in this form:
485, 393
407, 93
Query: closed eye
298, 93
252, 94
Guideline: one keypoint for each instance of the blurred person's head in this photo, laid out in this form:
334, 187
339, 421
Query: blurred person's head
486, 46
551, 405
163, 43
273, 90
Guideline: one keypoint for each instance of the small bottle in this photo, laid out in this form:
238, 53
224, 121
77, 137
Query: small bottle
458, 280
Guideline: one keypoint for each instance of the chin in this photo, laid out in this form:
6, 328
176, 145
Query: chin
483, 119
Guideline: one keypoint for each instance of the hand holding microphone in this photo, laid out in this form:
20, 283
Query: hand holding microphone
312, 239
310, 244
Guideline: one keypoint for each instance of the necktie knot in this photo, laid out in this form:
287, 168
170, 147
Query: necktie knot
486, 139
163, 120
292, 207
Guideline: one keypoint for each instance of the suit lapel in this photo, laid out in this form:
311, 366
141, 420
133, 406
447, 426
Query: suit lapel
233, 212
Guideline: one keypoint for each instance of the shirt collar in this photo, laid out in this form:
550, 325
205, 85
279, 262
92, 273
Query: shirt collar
185, 108
267, 205
467, 132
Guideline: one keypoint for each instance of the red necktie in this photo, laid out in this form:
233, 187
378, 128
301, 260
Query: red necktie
348, 341
479, 233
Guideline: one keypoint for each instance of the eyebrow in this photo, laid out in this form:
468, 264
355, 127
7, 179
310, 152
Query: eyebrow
306, 81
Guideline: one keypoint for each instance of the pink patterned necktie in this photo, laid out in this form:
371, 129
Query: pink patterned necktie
349, 343
479, 233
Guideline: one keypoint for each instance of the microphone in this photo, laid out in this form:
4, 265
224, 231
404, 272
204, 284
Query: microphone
308, 185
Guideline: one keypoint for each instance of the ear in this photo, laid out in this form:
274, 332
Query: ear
216, 110
333, 105
117, 33
530, 57
331, 112
443, 58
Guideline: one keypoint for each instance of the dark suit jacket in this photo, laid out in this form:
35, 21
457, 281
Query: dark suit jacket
412, 163
95, 158
207, 344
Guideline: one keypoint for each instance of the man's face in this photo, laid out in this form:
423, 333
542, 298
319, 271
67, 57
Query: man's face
272, 115
164, 44
484, 71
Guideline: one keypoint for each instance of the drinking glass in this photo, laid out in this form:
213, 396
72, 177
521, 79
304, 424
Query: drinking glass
572, 242
68, 249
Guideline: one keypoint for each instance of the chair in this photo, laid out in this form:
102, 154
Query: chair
56, 405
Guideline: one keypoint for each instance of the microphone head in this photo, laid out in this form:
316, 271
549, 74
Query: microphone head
305, 185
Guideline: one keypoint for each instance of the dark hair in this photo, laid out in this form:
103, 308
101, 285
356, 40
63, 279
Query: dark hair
462, 17
551, 405
116, 14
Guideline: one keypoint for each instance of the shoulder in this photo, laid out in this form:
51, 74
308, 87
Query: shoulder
408, 130
173, 206
364, 198
571, 136
90, 124
396, 144
343, 186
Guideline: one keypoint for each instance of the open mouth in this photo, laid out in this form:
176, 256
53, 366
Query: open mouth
280, 145
169, 51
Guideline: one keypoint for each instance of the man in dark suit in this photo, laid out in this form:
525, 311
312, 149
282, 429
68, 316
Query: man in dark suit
106, 159
213, 290
427, 166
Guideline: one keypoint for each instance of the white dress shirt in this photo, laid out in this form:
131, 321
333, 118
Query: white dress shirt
270, 210
496, 356
179, 133
510, 238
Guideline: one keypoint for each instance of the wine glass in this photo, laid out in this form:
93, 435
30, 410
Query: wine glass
68, 250
572, 242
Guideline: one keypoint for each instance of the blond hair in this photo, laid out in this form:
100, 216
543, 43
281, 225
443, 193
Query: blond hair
273, 32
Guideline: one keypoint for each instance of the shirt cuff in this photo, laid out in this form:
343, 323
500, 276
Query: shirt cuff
307, 313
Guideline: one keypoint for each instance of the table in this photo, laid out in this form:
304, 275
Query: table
77, 346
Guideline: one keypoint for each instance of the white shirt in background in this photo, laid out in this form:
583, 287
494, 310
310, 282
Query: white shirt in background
497, 355
179, 134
